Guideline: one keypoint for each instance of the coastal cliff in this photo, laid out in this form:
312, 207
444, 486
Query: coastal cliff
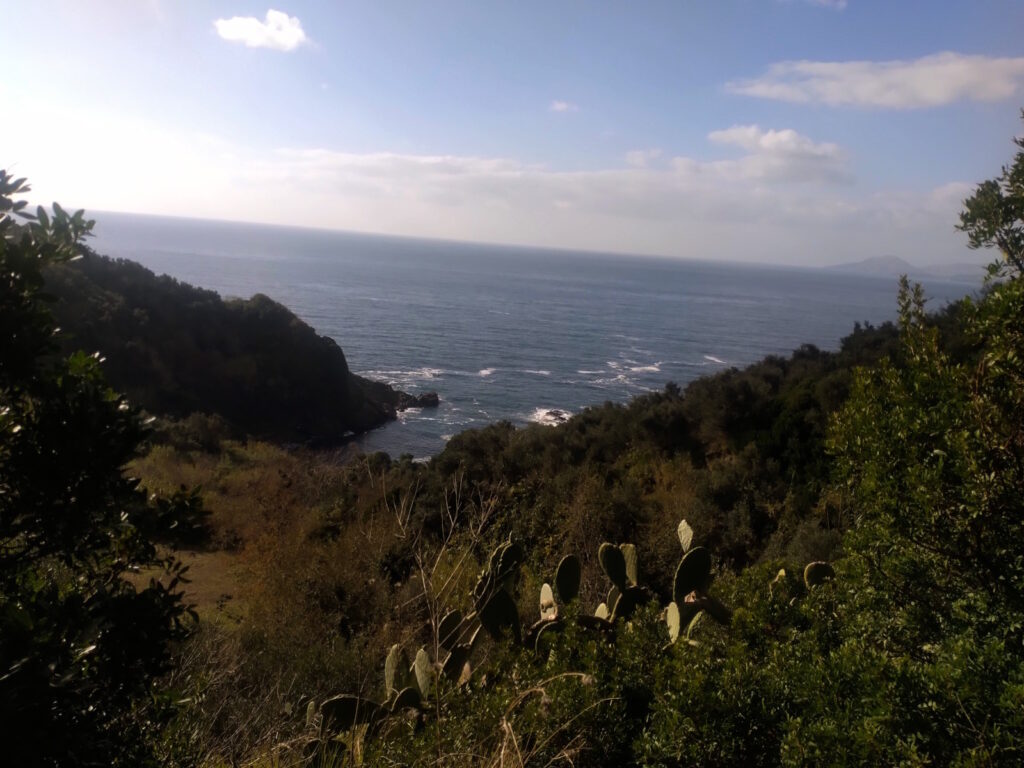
175, 349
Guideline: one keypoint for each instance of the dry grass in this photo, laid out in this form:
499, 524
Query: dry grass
254, 491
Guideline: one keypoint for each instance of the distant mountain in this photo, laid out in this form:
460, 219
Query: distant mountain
893, 266
175, 349
880, 266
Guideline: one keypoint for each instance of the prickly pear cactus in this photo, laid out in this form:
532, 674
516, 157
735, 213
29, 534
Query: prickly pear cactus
817, 573
567, 578
499, 573
499, 615
548, 609
685, 533
455, 664
423, 669
693, 573
672, 621
628, 602
613, 599
345, 712
629, 558
396, 674
613, 563
407, 698
449, 629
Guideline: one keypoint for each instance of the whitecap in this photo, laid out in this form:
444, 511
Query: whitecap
652, 368
404, 375
538, 373
486, 371
549, 417
714, 359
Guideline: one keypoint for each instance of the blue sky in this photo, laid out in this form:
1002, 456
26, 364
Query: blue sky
790, 131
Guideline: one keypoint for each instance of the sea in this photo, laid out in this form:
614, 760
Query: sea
511, 333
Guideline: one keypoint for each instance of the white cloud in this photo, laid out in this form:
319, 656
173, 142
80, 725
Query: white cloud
563, 106
930, 81
775, 201
640, 158
783, 155
839, 5
278, 31
785, 142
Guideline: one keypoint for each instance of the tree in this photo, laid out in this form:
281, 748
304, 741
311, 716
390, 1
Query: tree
80, 643
994, 215
930, 447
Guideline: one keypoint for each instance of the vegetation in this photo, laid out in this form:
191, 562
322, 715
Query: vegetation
815, 560
80, 644
176, 350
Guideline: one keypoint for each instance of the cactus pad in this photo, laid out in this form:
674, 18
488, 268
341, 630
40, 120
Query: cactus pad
694, 572
548, 609
685, 534
629, 557
672, 620
407, 698
567, 578
343, 713
613, 564
456, 662
396, 668
613, 599
817, 573
499, 613
449, 629
423, 668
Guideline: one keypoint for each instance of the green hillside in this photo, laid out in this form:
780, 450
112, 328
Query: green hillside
816, 560
175, 350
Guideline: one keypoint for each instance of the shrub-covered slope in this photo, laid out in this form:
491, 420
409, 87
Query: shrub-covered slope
175, 349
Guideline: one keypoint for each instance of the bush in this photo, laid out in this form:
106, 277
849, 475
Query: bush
80, 646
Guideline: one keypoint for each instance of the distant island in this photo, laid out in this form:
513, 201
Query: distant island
175, 349
894, 266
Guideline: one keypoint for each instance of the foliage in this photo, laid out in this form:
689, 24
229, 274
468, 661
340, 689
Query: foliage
994, 215
80, 645
177, 350
899, 458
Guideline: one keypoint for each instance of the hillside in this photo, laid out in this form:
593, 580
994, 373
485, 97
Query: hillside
174, 349
815, 560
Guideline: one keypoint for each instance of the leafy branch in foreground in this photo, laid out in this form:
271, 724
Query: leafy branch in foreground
993, 217
83, 637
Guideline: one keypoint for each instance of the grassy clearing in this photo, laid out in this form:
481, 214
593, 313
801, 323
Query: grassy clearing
256, 493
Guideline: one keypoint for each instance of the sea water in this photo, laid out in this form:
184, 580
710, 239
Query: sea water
522, 334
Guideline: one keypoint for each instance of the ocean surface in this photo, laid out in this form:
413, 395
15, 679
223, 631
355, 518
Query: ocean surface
510, 333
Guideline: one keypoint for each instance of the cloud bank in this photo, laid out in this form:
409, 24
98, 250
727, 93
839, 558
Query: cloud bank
641, 158
930, 81
751, 194
278, 31
784, 155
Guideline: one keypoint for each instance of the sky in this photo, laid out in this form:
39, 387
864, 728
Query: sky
806, 132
